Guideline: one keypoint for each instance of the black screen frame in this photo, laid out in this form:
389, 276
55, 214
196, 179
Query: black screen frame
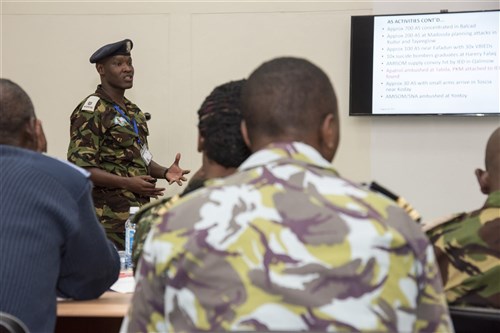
361, 67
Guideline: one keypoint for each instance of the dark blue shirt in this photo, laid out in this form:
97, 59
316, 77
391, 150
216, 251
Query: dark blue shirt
51, 243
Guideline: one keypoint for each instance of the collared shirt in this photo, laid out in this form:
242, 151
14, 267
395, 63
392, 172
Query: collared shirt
468, 252
287, 244
102, 138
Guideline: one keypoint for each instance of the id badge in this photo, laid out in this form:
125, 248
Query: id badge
146, 154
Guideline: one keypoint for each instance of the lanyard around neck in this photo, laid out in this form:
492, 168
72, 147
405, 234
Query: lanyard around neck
131, 122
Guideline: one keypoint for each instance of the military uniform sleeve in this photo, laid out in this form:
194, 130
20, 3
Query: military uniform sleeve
85, 134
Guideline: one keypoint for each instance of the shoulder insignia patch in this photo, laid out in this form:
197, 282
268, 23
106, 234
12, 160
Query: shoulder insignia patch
90, 103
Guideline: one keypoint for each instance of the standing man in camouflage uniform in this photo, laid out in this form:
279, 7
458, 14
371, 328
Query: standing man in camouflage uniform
467, 246
285, 243
109, 139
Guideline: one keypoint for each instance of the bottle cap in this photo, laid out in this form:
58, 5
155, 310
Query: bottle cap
133, 210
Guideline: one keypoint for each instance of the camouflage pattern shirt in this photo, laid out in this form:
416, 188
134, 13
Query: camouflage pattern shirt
102, 138
467, 248
148, 215
286, 244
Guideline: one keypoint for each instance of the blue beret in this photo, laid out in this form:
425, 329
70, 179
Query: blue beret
119, 48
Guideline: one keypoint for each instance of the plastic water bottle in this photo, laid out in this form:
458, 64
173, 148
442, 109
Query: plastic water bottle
123, 262
129, 236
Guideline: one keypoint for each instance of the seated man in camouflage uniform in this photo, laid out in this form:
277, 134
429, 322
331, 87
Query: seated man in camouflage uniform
286, 244
222, 148
467, 246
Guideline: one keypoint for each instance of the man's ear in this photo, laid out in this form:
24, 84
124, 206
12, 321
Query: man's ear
482, 179
41, 140
329, 136
244, 133
28, 136
201, 143
100, 68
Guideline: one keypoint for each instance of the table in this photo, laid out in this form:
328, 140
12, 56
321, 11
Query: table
104, 314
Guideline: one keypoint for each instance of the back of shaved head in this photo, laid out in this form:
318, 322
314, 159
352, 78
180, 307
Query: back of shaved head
16, 110
287, 99
492, 159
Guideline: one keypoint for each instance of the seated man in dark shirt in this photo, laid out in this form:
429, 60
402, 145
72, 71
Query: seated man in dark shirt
51, 243
467, 245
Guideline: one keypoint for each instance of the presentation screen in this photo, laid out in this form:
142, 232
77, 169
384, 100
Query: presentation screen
425, 64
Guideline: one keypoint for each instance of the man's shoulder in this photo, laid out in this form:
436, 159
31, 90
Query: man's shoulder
63, 170
259, 183
43, 165
68, 176
153, 209
251, 189
467, 227
436, 226
93, 103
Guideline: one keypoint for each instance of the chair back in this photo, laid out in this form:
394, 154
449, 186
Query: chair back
11, 324
473, 319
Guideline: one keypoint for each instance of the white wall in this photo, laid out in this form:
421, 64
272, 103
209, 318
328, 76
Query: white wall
431, 160
183, 50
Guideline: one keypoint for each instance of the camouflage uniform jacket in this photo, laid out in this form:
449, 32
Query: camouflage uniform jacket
286, 244
148, 215
102, 138
467, 248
